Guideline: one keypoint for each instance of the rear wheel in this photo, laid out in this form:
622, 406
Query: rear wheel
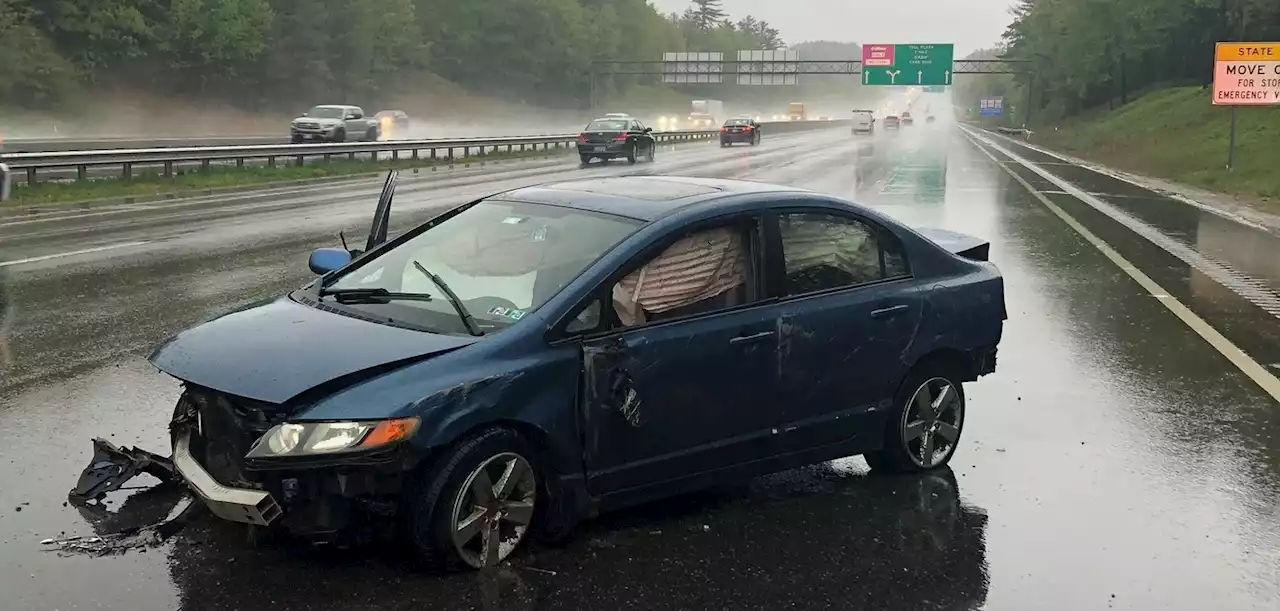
631, 153
476, 506
586, 159
371, 134
923, 430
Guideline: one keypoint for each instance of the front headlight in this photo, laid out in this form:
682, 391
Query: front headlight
309, 438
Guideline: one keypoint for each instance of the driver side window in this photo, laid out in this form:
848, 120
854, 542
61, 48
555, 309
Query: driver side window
701, 272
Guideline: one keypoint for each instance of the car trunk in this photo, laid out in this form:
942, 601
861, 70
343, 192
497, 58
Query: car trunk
601, 137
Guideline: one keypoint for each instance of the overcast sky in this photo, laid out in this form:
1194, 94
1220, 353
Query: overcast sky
970, 24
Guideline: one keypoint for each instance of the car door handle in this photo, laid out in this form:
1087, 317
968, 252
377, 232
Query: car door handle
750, 338
889, 311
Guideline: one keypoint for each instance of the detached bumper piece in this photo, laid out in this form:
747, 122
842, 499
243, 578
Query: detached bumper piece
235, 504
112, 466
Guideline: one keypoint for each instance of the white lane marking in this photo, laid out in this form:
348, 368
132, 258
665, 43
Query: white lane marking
1269, 383
1137, 182
1253, 290
70, 254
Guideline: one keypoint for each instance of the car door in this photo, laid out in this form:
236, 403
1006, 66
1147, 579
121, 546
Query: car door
680, 384
639, 137
848, 311
355, 123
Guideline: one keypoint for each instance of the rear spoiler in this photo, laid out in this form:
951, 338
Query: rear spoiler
967, 246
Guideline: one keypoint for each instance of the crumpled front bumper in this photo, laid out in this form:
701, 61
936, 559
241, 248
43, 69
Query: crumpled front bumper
244, 505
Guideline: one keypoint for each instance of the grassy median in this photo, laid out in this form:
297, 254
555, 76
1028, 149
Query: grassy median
1178, 135
194, 181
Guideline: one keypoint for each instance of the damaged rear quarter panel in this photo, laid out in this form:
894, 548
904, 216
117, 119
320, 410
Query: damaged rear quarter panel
472, 388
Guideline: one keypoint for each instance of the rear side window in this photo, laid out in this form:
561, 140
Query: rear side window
825, 251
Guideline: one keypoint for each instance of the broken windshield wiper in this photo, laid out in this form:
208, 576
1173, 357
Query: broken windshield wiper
467, 320
372, 296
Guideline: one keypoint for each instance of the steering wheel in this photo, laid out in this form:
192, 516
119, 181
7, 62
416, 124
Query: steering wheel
481, 305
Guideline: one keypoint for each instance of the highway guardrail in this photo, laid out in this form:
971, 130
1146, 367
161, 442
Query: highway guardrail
36, 164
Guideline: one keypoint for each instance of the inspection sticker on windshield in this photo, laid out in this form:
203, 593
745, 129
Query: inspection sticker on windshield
511, 313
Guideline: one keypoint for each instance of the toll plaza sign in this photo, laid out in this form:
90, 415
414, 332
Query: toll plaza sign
916, 64
1246, 73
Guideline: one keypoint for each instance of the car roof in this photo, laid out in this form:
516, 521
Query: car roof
644, 198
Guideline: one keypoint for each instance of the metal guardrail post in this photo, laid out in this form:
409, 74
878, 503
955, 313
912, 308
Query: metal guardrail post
6, 181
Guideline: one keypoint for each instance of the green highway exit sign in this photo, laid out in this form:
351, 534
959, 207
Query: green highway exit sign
920, 64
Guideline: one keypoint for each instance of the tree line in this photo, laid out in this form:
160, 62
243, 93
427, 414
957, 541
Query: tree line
282, 52
1091, 53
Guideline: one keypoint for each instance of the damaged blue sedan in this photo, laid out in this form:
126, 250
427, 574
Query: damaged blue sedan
529, 359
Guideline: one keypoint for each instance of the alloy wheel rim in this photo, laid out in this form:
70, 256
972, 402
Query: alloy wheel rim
932, 421
493, 510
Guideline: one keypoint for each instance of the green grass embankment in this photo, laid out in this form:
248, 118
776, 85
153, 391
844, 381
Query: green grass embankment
1177, 134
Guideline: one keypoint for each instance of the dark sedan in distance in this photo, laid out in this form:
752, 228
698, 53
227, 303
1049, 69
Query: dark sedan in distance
616, 136
740, 130
532, 358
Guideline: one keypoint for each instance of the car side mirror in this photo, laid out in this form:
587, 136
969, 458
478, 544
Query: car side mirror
325, 260
648, 130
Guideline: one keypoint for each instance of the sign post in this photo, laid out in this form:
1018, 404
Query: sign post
1245, 74
897, 65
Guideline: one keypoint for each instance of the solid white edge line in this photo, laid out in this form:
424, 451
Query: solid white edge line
70, 254
1268, 382
1135, 180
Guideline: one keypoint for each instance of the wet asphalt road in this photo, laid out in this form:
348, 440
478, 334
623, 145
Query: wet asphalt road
1115, 460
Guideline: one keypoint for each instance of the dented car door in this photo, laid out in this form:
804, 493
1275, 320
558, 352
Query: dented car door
683, 384
850, 308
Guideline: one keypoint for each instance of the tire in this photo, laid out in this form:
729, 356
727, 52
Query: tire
586, 159
437, 503
296, 139
340, 135
724, 144
653, 151
371, 134
901, 453
631, 153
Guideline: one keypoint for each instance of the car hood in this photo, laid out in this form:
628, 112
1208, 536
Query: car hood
275, 351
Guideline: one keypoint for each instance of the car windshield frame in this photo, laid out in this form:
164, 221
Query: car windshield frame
438, 315
326, 112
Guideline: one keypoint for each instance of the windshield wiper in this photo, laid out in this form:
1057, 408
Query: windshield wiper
372, 296
467, 320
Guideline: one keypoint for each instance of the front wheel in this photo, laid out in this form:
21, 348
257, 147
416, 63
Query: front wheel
340, 135
923, 430
477, 506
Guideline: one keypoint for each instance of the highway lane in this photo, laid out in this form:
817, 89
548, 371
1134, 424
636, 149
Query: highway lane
1115, 460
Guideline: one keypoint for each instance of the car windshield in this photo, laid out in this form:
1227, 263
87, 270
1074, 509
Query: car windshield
607, 125
502, 259
738, 122
325, 112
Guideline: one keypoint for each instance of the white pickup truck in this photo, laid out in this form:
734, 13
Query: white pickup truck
334, 123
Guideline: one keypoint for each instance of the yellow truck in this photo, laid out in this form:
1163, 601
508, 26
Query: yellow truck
795, 111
